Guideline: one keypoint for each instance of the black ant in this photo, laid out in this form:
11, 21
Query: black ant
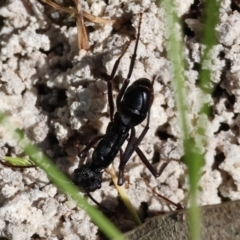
133, 107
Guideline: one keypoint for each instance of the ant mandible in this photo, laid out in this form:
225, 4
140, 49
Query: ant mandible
133, 107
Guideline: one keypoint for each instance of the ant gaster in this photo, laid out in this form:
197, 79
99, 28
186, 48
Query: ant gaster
133, 107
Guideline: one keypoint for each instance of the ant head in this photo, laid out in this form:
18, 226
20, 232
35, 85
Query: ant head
87, 179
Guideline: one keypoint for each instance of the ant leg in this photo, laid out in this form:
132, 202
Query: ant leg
135, 49
127, 80
109, 83
123, 159
121, 169
90, 145
141, 155
163, 168
131, 147
177, 205
147, 163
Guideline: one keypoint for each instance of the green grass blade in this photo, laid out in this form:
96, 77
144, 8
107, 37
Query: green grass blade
18, 162
63, 183
211, 13
192, 157
123, 195
211, 17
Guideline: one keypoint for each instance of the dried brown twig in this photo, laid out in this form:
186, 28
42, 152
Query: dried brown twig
83, 42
